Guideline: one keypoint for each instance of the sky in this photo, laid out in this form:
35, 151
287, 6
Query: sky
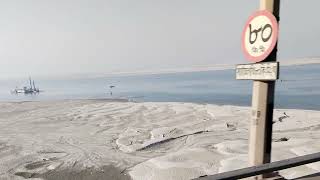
67, 37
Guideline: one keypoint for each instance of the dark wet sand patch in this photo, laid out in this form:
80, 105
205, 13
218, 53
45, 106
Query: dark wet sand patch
27, 175
36, 165
103, 173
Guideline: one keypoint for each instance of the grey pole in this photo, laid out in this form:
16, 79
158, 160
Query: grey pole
262, 107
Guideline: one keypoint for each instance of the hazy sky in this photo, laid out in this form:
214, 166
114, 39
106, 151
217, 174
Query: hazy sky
60, 37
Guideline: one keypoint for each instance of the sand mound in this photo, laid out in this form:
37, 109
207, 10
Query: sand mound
146, 140
183, 164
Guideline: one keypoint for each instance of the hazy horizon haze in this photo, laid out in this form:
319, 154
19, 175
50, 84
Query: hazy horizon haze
54, 38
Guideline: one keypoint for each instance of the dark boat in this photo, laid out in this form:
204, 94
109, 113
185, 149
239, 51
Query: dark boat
27, 90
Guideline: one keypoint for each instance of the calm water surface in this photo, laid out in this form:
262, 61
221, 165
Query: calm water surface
298, 87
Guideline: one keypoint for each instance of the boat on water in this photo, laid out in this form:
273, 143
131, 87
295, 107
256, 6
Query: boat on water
27, 90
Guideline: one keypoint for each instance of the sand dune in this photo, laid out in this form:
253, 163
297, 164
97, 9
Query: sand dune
141, 140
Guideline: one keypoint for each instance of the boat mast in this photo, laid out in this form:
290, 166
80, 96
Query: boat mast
34, 86
30, 82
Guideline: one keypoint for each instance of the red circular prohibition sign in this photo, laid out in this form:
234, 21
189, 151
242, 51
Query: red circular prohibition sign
275, 30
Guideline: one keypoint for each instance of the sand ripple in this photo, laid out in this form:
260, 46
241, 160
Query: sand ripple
145, 140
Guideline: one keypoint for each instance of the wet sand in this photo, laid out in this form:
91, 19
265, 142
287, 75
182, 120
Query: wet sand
102, 173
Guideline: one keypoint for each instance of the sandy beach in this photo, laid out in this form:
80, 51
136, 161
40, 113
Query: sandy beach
92, 139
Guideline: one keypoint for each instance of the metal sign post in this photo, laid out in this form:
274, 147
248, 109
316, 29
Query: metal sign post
259, 41
262, 106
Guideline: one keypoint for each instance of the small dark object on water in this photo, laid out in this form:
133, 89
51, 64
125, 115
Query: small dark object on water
111, 89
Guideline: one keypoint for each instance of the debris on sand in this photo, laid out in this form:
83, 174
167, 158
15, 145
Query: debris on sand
281, 139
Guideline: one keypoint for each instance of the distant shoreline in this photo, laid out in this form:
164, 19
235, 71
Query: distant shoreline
216, 67
202, 68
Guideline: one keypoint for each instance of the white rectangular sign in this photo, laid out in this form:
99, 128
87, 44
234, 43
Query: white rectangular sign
268, 71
